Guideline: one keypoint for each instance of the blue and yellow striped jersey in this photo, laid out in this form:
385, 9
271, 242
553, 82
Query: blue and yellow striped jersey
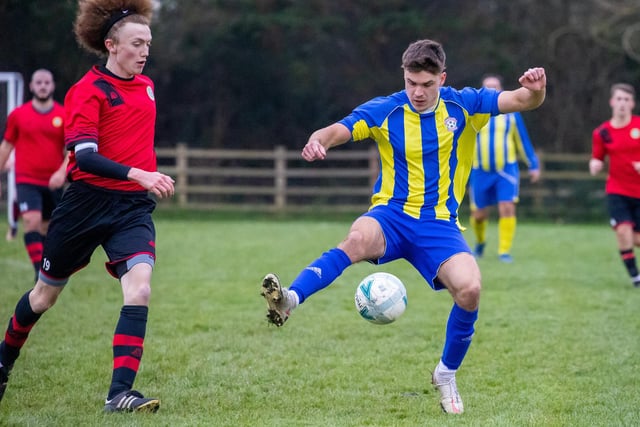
501, 142
425, 159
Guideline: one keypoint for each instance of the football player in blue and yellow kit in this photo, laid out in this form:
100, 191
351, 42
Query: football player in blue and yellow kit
426, 139
495, 177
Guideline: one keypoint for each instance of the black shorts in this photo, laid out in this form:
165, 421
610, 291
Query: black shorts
88, 217
624, 209
37, 198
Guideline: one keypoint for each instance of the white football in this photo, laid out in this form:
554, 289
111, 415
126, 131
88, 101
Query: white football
381, 298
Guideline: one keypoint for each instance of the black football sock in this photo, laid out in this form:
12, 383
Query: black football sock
128, 343
629, 260
18, 330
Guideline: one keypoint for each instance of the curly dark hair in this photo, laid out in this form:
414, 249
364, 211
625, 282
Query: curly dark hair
98, 20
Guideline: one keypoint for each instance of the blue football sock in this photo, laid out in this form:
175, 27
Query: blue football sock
458, 337
320, 273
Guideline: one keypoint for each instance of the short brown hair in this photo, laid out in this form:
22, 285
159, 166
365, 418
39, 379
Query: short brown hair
625, 87
97, 20
424, 55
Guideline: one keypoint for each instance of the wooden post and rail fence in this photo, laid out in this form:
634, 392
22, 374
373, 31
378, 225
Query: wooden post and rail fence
279, 180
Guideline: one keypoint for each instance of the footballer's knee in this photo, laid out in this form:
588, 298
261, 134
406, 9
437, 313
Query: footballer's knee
42, 297
364, 241
358, 246
479, 215
136, 285
32, 221
467, 296
136, 293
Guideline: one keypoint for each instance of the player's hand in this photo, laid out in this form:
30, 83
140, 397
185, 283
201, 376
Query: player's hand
636, 166
158, 183
595, 166
57, 180
534, 175
313, 150
534, 79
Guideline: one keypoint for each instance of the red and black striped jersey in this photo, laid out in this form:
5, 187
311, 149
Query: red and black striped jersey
116, 114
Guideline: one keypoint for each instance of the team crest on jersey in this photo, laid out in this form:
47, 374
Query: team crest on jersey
56, 122
451, 123
635, 133
150, 93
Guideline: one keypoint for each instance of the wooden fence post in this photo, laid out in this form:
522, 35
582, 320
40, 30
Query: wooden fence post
538, 197
182, 174
280, 178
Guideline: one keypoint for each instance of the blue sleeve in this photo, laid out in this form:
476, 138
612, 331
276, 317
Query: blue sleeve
361, 112
477, 101
372, 114
525, 142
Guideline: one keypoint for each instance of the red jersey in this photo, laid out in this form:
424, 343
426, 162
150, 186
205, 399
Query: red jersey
38, 141
622, 145
116, 114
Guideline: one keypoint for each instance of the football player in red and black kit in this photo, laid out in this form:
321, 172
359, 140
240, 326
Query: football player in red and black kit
109, 132
619, 139
35, 134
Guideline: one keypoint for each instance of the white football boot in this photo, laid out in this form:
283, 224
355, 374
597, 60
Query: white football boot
449, 397
280, 300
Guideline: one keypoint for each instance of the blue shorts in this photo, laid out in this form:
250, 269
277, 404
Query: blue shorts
88, 217
425, 244
490, 188
624, 209
37, 198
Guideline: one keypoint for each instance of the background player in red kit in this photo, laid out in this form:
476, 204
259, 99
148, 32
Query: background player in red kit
619, 139
35, 130
109, 132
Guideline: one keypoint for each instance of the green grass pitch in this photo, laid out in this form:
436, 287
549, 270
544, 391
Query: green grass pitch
557, 342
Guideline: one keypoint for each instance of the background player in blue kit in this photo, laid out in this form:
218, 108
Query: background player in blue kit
426, 137
495, 177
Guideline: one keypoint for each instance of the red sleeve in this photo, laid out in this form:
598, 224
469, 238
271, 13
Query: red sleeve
11, 131
598, 150
82, 106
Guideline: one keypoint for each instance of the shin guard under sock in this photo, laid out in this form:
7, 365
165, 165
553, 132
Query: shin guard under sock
320, 273
629, 260
458, 336
18, 330
128, 343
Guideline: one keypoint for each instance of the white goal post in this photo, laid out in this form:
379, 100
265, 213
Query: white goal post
14, 97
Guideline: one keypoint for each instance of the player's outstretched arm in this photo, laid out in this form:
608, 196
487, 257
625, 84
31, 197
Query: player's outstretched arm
323, 139
530, 95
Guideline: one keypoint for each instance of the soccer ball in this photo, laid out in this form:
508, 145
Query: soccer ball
381, 298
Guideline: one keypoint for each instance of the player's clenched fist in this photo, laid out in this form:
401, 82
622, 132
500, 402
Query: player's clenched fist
314, 151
